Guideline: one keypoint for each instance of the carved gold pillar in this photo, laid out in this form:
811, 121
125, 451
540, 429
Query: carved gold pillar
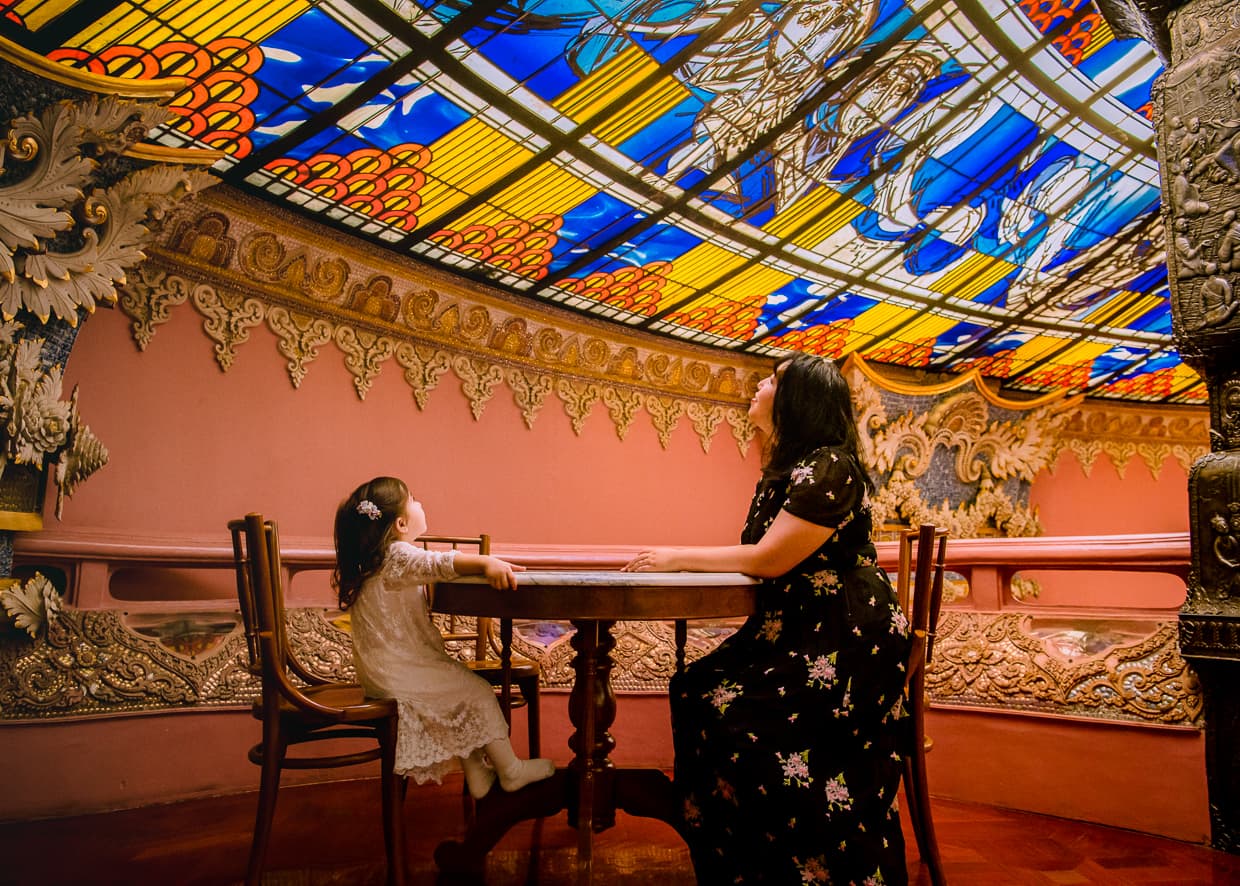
1197, 106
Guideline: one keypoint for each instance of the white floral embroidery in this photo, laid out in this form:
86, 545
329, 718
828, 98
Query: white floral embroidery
801, 473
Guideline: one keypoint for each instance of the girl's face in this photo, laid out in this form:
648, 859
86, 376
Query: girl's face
412, 522
762, 406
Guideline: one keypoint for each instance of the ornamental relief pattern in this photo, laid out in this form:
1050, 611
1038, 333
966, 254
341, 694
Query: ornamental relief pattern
1120, 432
1002, 660
239, 276
96, 662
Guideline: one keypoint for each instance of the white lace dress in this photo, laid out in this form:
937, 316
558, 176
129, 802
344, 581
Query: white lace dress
445, 710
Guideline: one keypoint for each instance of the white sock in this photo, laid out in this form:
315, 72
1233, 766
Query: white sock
515, 773
478, 775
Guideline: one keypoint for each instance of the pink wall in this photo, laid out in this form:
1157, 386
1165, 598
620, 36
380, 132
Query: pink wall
192, 447
1104, 503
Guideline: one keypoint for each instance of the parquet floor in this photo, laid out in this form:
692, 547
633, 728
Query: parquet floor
329, 835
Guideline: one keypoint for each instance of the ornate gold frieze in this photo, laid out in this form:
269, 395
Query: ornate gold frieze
1010, 661
954, 453
96, 662
1095, 428
240, 267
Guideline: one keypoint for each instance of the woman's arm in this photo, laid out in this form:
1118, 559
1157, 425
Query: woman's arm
789, 541
499, 573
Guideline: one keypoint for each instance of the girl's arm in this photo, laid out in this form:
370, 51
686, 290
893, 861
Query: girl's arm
789, 541
499, 573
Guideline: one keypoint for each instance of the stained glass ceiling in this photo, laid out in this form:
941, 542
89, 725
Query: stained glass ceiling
940, 184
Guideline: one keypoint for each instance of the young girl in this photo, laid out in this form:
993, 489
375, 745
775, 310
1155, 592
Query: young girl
448, 715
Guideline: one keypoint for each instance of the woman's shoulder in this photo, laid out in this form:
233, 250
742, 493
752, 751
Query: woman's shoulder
824, 457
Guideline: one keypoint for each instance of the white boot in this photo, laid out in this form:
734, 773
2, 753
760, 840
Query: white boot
478, 775
515, 773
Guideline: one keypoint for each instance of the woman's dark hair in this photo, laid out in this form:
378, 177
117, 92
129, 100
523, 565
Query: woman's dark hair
363, 533
812, 409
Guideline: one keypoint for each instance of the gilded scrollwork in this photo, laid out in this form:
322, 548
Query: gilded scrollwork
911, 435
705, 420
301, 336
665, 413
424, 366
433, 327
529, 390
478, 381
364, 355
68, 239
1001, 660
148, 298
578, 399
622, 404
228, 319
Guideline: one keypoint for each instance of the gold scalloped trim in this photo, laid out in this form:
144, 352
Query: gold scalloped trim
1154, 434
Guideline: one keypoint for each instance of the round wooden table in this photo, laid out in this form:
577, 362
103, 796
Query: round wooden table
591, 788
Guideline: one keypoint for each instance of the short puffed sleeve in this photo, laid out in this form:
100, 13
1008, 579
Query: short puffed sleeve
826, 487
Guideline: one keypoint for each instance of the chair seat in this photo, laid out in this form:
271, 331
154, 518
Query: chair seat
520, 668
349, 699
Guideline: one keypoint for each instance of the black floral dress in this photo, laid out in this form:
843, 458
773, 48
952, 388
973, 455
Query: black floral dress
788, 736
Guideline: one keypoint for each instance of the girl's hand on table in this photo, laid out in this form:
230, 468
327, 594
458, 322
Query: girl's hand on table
501, 574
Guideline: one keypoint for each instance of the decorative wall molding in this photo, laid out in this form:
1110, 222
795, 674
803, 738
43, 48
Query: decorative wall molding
953, 453
241, 266
77, 201
1121, 431
1087, 667
104, 661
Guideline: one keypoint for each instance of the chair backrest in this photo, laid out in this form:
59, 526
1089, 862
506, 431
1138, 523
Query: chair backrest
919, 586
260, 594
482, 634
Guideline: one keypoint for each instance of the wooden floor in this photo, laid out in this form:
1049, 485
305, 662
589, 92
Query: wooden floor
330, 834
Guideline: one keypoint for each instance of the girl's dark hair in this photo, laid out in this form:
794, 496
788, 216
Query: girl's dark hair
362, 539
812, 409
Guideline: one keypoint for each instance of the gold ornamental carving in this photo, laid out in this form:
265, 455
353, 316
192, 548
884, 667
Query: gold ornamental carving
1122, 431
239, 270
985, 450
1003, 661
78, 662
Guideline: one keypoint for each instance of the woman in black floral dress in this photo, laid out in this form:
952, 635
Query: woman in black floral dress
787, 736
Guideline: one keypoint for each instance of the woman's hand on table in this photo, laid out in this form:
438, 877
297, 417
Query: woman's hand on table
653, 560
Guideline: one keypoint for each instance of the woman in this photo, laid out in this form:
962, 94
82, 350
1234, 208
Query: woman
787, 740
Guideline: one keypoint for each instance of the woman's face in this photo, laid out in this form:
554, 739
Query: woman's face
411, 523
762, 406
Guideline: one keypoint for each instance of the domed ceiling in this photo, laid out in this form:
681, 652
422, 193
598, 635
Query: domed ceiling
940, 184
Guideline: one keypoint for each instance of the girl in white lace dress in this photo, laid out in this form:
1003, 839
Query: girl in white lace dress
449, 717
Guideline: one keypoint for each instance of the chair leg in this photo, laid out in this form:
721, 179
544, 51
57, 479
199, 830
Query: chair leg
273, 749
917, 792
529, 691
392, 787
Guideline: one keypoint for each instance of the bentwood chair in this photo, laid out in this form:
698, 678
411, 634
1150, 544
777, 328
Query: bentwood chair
919, 585
491, 655
297, 707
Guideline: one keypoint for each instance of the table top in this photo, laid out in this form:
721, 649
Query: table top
593, 594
